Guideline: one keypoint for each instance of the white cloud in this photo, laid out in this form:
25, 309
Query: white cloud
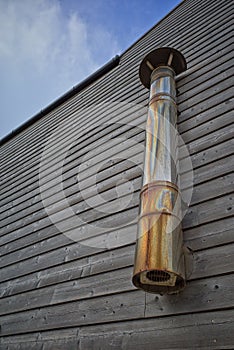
44, 51
28, 29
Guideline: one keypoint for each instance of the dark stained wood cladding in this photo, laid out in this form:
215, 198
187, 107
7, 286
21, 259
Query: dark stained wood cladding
59, 294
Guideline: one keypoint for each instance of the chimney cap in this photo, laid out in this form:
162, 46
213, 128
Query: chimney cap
164, 56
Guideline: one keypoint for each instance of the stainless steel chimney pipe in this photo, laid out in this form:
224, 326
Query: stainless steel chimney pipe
159, 259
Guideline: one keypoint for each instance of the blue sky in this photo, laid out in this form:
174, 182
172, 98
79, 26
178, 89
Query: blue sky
48, 46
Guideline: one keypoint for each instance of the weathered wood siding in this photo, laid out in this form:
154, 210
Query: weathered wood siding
60, 294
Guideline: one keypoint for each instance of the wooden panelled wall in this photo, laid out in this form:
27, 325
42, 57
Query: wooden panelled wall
59, 294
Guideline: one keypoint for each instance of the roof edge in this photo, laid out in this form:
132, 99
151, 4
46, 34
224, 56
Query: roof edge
114, 62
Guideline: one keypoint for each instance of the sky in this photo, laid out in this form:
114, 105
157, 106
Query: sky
48, 46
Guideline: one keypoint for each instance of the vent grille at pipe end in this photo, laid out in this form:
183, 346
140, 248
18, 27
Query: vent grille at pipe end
158, 277
159, 281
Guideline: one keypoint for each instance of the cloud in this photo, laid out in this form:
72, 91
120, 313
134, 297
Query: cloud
37, 33
46, 51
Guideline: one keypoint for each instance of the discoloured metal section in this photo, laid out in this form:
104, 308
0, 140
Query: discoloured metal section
159, 261
160, 239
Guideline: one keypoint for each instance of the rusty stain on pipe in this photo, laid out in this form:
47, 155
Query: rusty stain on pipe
159, 259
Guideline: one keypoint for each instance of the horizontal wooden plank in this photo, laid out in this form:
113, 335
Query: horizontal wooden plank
41, 219
201, 71
204, 107
72, 173
212, 234
215, 137
211, 210
208, 330
195, 216
202, 157
210, 126
201, 193
219, 136
73, 269
116, 166
73, 250
220, 167
206, 294
201, 237
211, 90
61, 341
201, 154
117, 238
212, 262
45, 239
111, 168
201, 82
61, 240
210, 155
196, 331
214, 188
45, 228
199, 294
209, 40
83, 288
74, 314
